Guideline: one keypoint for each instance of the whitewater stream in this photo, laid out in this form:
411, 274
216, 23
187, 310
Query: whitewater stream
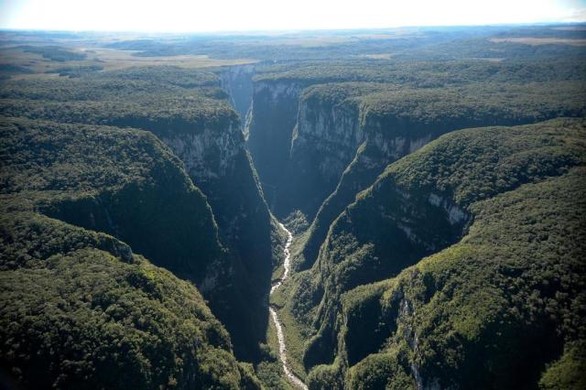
275, 317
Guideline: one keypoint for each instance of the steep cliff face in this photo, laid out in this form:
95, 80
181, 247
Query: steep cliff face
451, 198
270, 128
215, 157
237, 82
325, 139
397, 122
208, 154
218, 161
370, 158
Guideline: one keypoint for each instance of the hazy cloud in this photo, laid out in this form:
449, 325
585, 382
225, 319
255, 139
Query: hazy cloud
189, 15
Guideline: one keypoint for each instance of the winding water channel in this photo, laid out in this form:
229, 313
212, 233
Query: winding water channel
294, 379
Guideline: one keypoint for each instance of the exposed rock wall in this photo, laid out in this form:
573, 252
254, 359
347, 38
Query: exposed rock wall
237, 82
208, 155
377, 150
324, 142
216, 159
270, 128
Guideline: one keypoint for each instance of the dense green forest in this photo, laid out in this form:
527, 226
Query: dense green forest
449, 316
187, 110
79, 307
433, 179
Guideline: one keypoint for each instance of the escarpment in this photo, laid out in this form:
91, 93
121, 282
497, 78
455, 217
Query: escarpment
317, 146
270, 127
324, 141
218, 161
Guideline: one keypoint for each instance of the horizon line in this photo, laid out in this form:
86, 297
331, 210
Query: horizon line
285, 31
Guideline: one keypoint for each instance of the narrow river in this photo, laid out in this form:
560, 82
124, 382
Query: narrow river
280, 336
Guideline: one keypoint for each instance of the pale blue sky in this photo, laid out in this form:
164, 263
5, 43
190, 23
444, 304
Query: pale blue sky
239, 15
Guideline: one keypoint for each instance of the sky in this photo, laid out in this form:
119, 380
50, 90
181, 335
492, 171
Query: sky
260, 15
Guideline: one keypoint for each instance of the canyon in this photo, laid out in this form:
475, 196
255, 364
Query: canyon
333, 222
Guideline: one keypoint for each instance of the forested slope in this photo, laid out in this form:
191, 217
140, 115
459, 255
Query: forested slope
493, 308
188, 111
79, 306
